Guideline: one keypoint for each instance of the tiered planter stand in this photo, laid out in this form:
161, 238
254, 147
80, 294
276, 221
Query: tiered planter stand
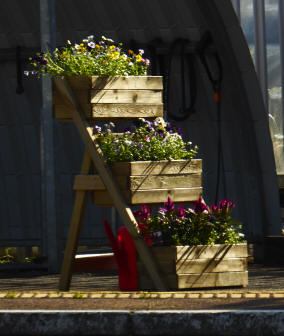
84, 100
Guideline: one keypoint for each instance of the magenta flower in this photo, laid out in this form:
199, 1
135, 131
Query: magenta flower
181, 212
200, 206
168, 206
144, 213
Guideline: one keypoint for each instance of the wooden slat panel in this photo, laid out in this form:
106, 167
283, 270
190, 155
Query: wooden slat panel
165, 181
199, 266
128, 82
178, 253
157, 167
121, 82
205, 280
150, 196
129, 111
110, 112
225, 279
79, 82
126, 96
63, 112
83, 97
211, 265
123, 209
214, 251
93, 182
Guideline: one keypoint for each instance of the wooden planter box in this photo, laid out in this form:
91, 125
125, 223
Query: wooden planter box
112, 98
198, 266
148, 182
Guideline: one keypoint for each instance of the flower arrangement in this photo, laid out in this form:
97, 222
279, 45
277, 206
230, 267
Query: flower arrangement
147, 141
201, 225
90, 58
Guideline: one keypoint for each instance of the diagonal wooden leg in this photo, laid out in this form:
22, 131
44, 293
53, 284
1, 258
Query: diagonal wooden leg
74, 230
125, 212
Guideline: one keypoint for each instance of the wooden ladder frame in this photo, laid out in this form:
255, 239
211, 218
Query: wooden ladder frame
94, 155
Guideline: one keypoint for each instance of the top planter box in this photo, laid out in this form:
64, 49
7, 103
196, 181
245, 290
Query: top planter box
112, 98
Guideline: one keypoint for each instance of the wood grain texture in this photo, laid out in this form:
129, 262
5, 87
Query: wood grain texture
74, 230
199, 266
153, 196
86, 133
204, 280
113, 98
114, 82
126, 96
94, 182
157, 167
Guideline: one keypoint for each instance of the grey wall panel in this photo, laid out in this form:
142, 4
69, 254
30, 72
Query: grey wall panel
248, 158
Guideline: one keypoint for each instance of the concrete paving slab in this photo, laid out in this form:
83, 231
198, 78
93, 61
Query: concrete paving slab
144, 322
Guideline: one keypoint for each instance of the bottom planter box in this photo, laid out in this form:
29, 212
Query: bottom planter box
201, 266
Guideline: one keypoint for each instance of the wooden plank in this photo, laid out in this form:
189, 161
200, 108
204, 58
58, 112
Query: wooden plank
218, 251
125, 212
211, 265
199, 266
129, 111
224, 279
74, 230
94, 182
157, 167
63, 112
128, 82
205, 280
164, 181
83, 97
110, 112
126, 96
214, 251
115, 82
153, 196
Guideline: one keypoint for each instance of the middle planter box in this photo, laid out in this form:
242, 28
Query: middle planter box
148, 182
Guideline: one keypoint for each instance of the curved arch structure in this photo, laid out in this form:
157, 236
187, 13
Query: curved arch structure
248, 153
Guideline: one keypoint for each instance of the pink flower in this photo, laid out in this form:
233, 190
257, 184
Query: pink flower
200, 206
168, 206
181, 212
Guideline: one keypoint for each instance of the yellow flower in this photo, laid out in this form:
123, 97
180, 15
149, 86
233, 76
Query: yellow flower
98, 47
112, 48
138, 58
116, 54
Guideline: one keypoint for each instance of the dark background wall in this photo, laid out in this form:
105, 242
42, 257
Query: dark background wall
249, 170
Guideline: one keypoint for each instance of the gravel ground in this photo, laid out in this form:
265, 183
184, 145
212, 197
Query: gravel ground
260, 278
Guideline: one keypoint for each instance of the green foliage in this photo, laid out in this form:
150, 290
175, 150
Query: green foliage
201, 225
90, 58
78, 295
7, 258
149, 141
10, 295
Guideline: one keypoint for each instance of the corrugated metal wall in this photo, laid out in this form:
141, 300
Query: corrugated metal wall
133, 22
